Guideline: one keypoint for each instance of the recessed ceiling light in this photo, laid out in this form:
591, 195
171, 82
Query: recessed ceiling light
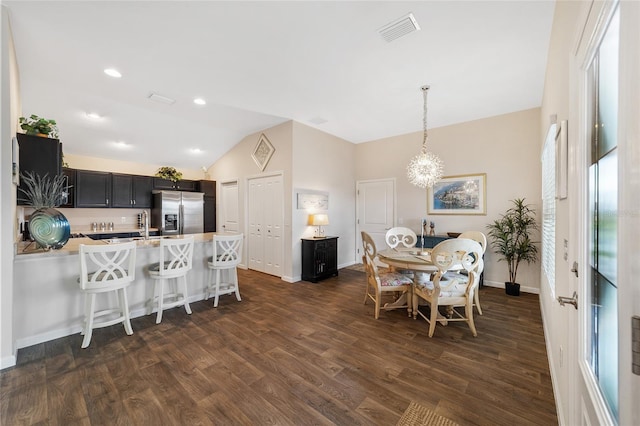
199, 101
122, 145
111, 72
93, 116
195, 150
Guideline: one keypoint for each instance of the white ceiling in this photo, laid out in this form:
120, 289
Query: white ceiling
261, 63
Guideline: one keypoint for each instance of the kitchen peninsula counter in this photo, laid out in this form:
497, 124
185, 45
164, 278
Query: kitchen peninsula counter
48, 303
25, 248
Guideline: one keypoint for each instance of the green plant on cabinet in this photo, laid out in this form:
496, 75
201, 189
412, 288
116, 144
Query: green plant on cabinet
35, 125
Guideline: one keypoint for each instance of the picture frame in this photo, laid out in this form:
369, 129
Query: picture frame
310, 200
262, 152
458, 195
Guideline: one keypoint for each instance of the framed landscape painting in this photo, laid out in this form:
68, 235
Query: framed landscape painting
463, 194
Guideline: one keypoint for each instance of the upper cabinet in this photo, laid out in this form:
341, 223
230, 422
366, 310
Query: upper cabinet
181, 185
93, 189
38, 155
131, 191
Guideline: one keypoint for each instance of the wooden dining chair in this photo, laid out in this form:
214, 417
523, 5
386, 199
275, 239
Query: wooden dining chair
480, 238
401, 236
382, 283
450, 255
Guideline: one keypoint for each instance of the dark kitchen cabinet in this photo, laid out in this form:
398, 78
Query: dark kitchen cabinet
319, 258
68, 200
131, 191
181, 185
38, 155
93, 189
208, 188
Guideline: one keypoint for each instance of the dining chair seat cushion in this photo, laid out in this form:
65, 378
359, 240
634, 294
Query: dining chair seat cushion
448, 287
394, 279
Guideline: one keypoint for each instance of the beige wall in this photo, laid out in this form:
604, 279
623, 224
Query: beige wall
128, 167
556, 100
506, 148
324, 163
237, 164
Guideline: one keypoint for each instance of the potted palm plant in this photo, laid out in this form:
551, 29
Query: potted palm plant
512, 239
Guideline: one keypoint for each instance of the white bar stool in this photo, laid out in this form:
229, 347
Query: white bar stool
176, 260
113, 269
227, 255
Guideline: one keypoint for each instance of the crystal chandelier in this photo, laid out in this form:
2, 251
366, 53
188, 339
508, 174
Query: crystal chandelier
426, 168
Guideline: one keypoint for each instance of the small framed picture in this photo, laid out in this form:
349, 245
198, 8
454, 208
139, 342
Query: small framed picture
463, 194
262, 152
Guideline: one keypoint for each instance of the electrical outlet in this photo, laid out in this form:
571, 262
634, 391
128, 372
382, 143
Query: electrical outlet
123, 219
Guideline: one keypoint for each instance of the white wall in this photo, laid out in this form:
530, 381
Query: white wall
556, 101
505, 147
9, 113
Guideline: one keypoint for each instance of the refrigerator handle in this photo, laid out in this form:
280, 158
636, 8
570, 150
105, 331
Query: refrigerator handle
181, 220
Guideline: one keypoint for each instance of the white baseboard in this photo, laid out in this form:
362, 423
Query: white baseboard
8, 361
523, 289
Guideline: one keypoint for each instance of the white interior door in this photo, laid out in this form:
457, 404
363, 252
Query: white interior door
229, 206
265, 221
375, 211
255, 243
273, 220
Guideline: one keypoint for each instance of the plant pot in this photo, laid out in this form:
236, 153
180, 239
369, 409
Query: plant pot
512, 289
49, 228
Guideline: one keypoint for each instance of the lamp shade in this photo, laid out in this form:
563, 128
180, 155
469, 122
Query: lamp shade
320, 220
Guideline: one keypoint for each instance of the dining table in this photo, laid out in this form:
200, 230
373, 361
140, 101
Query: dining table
415, 259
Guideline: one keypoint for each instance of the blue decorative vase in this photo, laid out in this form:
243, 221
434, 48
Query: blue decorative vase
49, 228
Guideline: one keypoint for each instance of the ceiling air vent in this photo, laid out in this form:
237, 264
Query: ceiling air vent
398, 28
162, 99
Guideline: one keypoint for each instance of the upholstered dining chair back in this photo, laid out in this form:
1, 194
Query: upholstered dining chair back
482, 240
401, 236
369, 246
451, 290
477, 236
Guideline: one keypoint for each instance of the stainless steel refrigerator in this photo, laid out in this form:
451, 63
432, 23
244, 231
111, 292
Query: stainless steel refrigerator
177, 212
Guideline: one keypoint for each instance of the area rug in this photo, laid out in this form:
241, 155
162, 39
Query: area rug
356, 267
417, 414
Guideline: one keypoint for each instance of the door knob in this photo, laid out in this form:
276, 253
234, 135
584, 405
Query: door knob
573, 300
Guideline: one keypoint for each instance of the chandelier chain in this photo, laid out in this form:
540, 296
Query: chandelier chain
425, 136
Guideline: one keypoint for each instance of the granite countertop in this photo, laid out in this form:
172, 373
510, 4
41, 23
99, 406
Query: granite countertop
25, 249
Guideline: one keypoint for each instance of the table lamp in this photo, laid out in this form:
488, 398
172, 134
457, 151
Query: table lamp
319, 220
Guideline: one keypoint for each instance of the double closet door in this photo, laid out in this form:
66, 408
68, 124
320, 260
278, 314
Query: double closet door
265, 219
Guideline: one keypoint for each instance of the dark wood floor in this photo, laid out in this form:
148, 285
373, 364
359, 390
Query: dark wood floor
295, 354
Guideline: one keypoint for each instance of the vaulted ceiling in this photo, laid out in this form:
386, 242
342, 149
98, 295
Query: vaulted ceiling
258, 64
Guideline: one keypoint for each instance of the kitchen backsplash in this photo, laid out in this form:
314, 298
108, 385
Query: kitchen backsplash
81, 219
